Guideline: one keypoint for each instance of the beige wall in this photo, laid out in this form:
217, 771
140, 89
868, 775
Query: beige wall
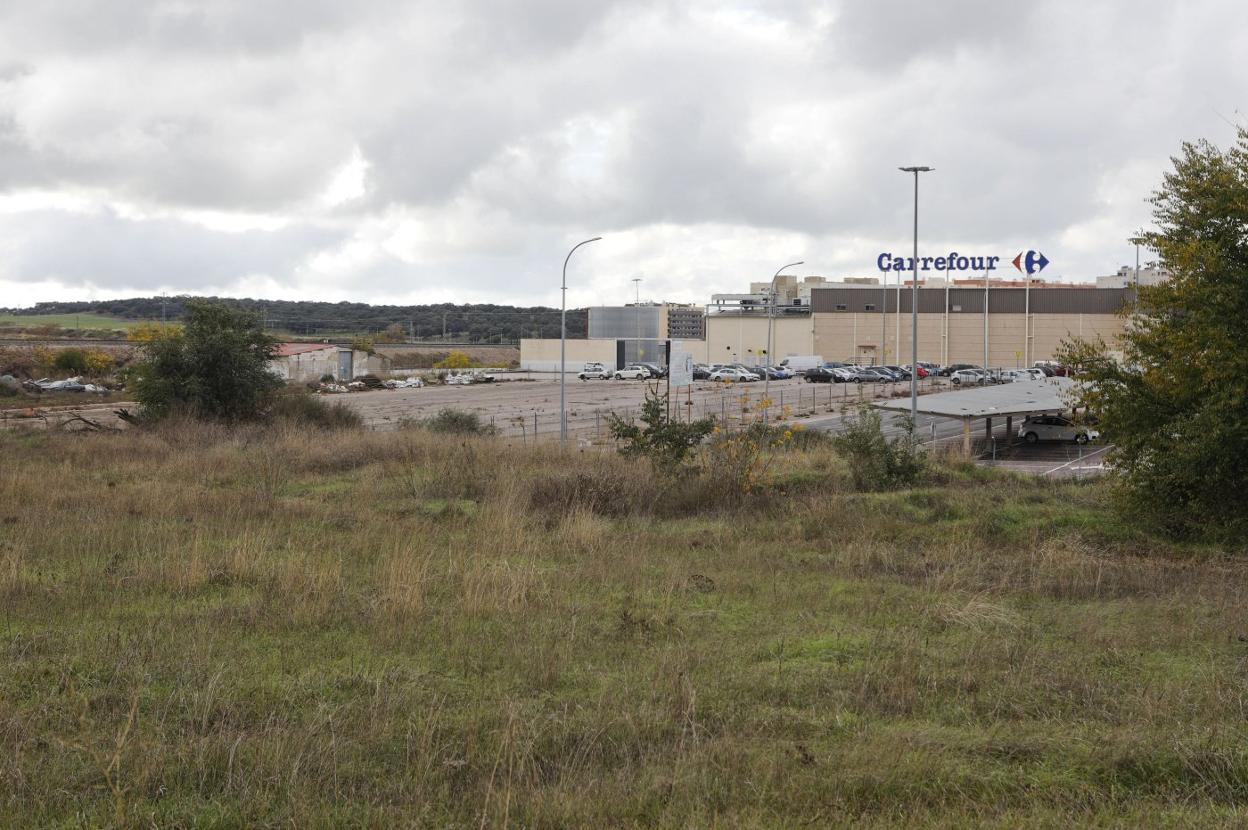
734, 338
312, 366
543, 355
845, 336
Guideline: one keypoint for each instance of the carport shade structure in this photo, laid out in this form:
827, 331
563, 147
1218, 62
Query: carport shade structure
1004, 400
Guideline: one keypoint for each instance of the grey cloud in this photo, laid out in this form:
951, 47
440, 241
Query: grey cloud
562, 115
105, 249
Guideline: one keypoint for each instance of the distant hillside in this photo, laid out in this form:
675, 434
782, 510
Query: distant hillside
472, 323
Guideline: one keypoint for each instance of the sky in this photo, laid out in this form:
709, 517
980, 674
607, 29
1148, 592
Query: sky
420, 152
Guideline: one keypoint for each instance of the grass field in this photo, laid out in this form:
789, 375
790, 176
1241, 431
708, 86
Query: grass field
213, 628
68, 321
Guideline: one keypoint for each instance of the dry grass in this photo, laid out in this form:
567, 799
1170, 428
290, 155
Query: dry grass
253, 627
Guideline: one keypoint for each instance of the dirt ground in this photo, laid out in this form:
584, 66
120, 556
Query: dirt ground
529, 404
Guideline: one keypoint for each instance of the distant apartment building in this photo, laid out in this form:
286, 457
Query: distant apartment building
1150, 274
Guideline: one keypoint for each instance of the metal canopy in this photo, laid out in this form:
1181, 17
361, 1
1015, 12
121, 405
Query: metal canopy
1021, 398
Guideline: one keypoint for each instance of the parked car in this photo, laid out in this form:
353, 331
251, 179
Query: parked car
701, 372
957, 367
963, 377
656, 371
632, 372
773, 372
1052, 368
730, 374
1035, 428
800, 363
900, 372
873, 374
594, 371
821, 374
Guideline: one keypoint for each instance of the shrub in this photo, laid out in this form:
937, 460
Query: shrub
455, 421
666, 443
457, 360
875, 462
299, 407
70, 360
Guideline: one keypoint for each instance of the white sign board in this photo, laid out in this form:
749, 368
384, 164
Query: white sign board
680, 365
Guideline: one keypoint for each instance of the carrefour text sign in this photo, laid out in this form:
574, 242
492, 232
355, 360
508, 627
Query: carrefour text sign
953, 262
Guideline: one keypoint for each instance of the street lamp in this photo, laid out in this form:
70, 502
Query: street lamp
563, 345
914, 301
1137, 242
771, 312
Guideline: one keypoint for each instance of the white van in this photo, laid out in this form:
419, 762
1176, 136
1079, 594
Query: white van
799, 363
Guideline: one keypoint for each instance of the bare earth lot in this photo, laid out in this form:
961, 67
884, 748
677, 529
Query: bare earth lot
516, 406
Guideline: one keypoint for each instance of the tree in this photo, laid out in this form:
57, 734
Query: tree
216, 367
1175, 402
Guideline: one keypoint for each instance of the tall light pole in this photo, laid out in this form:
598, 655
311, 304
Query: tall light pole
771, 311
637, 317
1135, 240
914, 301
563, 345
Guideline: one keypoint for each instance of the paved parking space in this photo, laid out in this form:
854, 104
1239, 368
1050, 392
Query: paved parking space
1059, 459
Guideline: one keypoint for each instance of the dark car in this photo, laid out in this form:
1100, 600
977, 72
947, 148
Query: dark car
701, 372
656, 371
956, 367
821, 374
899, 372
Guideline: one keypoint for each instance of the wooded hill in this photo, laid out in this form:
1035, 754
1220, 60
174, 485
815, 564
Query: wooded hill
471, 323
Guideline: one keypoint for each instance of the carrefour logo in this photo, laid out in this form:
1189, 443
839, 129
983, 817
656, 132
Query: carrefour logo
1029, 262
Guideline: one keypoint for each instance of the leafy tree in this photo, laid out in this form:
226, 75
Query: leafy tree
666, 443
216, 367
1175, 401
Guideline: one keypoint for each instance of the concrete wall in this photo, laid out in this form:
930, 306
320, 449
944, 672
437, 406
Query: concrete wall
312, 366
736, 338
846, 336
543, 355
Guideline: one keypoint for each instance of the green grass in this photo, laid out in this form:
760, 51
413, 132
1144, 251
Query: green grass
346, 629
68, 321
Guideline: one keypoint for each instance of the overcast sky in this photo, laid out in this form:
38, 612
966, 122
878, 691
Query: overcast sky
410, 152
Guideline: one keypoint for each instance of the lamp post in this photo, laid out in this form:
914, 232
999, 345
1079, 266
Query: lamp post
637, 352
914, 301
563, 345
771, 311
1136, 241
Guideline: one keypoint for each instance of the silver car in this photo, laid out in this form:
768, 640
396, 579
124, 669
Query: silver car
1036, 428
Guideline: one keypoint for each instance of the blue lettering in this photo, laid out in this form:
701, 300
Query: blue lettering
882, 262
992, 262
963, 263
977, 263
941, 263
926, 262
899, 264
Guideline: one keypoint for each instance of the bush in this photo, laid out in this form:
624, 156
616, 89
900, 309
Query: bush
455, 421
667, 444
457, 360
875, 462
73, 361
299, 407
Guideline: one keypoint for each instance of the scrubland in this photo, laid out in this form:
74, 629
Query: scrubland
251, 627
